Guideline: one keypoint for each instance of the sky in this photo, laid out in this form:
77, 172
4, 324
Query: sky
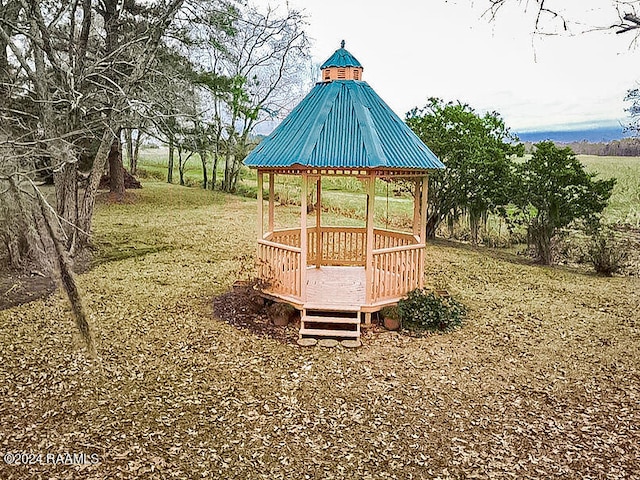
415, 49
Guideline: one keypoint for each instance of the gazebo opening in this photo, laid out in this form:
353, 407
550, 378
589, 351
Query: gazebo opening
338, 274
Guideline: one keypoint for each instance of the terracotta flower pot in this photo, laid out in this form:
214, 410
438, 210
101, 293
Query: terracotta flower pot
391, 323
281, 320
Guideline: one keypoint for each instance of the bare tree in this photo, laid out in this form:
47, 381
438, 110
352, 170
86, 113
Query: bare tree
553, 15
34, 236
263, 60
74, 70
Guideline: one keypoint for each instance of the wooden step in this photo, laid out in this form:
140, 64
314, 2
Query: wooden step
320, 319
332, 308
316, 332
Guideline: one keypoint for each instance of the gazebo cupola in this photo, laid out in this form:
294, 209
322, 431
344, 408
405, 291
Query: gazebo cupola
338, 275
341, 66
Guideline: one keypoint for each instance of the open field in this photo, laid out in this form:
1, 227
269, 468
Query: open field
543, 381
624, 206
345, 194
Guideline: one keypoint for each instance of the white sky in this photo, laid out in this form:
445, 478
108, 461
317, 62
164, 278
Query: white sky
414, 49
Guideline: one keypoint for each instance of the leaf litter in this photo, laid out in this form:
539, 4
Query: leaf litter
542, 381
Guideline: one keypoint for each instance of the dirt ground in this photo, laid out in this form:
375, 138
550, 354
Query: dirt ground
542, 381
244, 308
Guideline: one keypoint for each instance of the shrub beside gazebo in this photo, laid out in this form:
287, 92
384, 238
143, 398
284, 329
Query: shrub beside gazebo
338, 275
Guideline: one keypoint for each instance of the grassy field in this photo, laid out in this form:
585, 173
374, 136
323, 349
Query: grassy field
344, 195
624, 206
542, 381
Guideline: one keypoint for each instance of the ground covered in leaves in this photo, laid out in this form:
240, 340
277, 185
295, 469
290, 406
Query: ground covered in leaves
543, 381
244, 308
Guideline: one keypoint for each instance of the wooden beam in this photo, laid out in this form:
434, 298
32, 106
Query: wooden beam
303, 236
271, 200
416, 208
260, 207
368, 266
318, 221
424, 194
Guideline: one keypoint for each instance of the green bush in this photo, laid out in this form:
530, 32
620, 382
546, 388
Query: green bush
606, 255
423, 311
250, 191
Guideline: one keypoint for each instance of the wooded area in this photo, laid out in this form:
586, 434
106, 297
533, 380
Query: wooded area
80, 76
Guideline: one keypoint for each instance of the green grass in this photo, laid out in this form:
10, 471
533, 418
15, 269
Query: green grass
346, 194
624, 205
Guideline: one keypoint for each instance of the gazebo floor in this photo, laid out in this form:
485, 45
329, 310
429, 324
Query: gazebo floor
335, 287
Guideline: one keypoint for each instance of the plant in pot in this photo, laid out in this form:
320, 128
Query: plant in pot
281, 314
391, 317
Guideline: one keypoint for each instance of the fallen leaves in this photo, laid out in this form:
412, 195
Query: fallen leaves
542, 381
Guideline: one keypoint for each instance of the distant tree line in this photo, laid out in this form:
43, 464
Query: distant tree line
627, 147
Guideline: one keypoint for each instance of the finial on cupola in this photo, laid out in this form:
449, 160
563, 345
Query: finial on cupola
341, 66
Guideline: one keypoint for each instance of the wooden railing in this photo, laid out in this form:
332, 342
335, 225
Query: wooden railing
290, 236
396, 271
340, 246
389, 239
397, 263
279, 266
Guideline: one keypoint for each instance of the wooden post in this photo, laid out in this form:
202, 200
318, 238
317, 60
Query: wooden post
368, 266
271, 200
416, 209
303, 237
423, 215
318, 219
423, 228
260, 207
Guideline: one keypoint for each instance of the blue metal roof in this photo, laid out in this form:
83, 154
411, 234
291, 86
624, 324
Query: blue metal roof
343, 124
341, 58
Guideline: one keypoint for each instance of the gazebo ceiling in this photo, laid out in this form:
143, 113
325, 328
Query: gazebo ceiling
343, 124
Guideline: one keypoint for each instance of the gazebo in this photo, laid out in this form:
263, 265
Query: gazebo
338, 275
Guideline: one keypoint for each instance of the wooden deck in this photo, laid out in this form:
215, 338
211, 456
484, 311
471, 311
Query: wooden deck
335, 287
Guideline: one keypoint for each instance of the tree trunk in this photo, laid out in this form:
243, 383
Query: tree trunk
180, 166
116, 169
214, 171
203, 158
4, 68
11, 11
170, 165
474, 227
432, 225
65, 180
67, 278
136, 152
89, 199
540, 235
128, 139
19, 228
234, 174
226, 181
